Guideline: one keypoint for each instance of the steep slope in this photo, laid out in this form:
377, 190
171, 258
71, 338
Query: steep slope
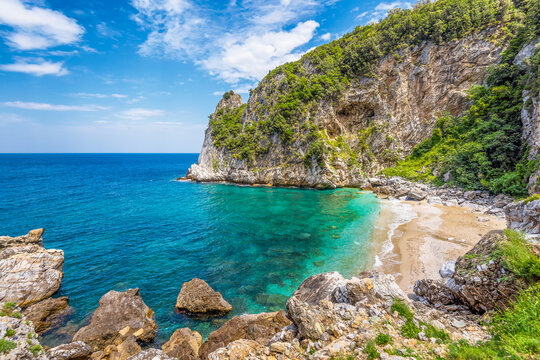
357, 105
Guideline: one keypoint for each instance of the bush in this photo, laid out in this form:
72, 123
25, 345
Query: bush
6, 346
10, 332
383, 339
371, 350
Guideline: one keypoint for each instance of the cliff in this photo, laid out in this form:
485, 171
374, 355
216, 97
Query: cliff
355, 106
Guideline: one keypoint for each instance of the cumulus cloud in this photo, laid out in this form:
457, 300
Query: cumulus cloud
326, 36
140, 114
252, 58
51, 107
34, 27
242, 45
38, 67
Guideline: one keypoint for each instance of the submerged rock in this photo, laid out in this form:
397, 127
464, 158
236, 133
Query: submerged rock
184, 344
197, 297
28, 272
258, 327
119, 315
48, 313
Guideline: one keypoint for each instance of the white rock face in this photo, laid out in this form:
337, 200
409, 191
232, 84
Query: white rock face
28, 272
20, 337
398, 107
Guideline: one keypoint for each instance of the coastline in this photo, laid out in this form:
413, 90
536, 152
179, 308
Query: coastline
412, 240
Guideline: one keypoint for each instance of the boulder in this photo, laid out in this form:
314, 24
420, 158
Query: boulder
119, 315
448, 269
416, 195
239, 350
48, 313
319, 287
258, 327
435, 292
151, 354
28, 272
197, 297
469, 195
122, 349
183, 344
524, 215
73, 351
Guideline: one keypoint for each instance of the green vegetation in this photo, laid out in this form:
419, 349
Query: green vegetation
410, 329
402, 309
518, 256
294, 91
371, 350
516, 332
8, 310
383, 339
10, 332
532, 198
6, 346
483, 149
36, 349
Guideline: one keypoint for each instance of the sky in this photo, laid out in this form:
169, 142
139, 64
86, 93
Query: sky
143, 75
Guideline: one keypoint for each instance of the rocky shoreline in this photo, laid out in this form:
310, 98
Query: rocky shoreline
327, 317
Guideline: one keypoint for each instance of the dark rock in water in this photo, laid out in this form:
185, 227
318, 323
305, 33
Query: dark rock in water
258, 327
272, 300
318, 263
28, 272
183, 344
197, 297
119, 315
48, 313
73, 351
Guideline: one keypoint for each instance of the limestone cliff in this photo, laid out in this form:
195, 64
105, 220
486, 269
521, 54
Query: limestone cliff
378, 118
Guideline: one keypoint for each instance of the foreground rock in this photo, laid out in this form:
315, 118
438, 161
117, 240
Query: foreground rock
184, 344
197, 297
28, 272
336, 318
119, 315
481, 282
48, 313
72, 351
260, 328
19, 337
151, 354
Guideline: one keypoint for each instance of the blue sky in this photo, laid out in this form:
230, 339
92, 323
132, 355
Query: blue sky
143, 75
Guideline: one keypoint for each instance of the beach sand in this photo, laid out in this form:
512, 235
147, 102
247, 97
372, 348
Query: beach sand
414, 239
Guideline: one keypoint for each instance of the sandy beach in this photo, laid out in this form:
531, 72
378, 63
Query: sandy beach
414, 239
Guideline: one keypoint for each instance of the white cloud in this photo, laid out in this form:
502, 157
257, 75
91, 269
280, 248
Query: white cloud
52, 107
39, 68
248, 39
168, 123
326, 36
102, 96
35, 27
382, 9
105, 30
252, 58
140, 114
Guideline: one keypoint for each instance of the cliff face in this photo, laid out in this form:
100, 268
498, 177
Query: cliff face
374, 120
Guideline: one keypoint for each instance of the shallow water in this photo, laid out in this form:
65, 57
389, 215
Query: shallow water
122, 222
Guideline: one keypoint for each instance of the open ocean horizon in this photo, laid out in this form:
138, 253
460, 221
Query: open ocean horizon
124, 222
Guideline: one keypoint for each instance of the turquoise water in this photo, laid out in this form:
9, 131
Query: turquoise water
123, 222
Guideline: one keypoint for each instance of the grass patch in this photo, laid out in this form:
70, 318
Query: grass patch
6, 346
410, 330
383, 339
10, 332
532, 198
432, 332
515, 331
518, 257
402, 308
35, 350
371, 350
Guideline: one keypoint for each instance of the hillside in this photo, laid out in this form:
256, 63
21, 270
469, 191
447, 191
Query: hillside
362, 103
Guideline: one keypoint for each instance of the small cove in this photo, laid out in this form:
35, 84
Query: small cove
122, 223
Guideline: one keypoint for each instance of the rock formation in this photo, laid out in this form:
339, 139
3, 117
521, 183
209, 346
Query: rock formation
151, 354
481, 282
387, 114
258, 327
19, 340
48, 313
198, 298
183, 344
119, 316
525, 216
28, 272
72, 351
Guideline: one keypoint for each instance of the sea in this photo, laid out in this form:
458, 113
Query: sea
123, 221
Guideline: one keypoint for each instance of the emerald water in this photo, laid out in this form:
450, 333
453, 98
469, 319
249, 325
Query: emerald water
123, 222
